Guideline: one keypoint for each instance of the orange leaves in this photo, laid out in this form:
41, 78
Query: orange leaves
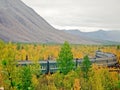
1, 78
99, 77
37, 52
43, 52
35, 80
77, 84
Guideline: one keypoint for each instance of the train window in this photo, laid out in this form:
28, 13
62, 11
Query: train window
53, 65
43, 66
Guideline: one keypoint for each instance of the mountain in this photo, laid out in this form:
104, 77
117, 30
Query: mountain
20, 23
100, 34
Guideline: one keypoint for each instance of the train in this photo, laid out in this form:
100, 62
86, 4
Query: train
51, 66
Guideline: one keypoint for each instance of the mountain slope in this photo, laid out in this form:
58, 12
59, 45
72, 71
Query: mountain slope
19, 23
105, 35
100, 34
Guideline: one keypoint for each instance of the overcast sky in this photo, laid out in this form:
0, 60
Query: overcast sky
86, 15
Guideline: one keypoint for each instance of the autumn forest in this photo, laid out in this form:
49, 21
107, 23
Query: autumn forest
30, 77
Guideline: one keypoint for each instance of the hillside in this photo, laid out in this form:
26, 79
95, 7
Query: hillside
113, 36
20, 23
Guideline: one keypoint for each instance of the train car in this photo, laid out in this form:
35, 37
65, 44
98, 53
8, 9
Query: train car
53, 66
24, 62
104, 59
100, 54
43, 65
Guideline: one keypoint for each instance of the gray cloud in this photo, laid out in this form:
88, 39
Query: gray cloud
82, 14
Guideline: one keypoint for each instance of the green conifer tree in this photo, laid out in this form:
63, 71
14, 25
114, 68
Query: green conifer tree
86, 65
65, 59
